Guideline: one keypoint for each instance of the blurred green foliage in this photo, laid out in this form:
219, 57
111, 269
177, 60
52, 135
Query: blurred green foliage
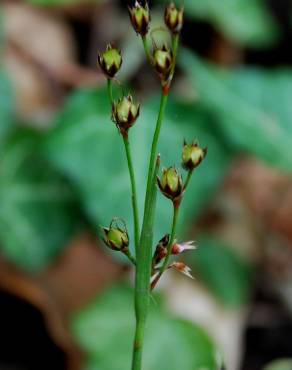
105, 331
85, 145
6, 106
37, 213
234, 111
252, 107
222, 270
246, 22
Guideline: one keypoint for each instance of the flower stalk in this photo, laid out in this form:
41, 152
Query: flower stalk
149, 267
134, 197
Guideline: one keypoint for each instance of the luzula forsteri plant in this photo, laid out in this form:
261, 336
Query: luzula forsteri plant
125, 111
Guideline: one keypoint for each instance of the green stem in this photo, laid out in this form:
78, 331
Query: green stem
153, 154
110, 91
144, 252
128, 254
143, 274
134, 192
146, 49
131, 173
175, 42
188, 179
169, 246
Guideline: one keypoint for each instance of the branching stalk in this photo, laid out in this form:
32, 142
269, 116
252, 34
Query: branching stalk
131, 173
134, 192
110, 91
143, 274
188, 180
146, 49
175, 42
150, 183
130, 257
144, 253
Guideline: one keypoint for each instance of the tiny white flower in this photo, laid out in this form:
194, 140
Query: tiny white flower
178, 248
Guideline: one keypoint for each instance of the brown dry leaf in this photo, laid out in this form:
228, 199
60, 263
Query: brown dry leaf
38, 45
82, 271
41, 33
267, 192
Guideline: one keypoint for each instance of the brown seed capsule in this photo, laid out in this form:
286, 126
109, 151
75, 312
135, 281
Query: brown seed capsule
110, 61
162, 61
160, 250
171, 184
125, 113
140, 18
192, 155
174, 18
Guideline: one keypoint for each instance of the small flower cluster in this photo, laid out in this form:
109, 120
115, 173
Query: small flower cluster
161, 253
173, 187
124, 111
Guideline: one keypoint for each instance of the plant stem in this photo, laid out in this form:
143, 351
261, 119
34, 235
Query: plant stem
144, 252
130, 257
188, 179
110, 91
134, 192
175, 42
131, 173
169, 246
143, 273
149, 189
146, 49
172, 236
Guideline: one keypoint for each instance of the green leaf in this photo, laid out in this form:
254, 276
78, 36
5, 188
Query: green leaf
37, 217
86, 146
252, 107
246, 22
6, 106
105, 331
283, 364
224, 272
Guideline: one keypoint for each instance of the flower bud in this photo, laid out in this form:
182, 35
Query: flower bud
192, 155
174, 18
140, 18
116, 237
171, 184
162, 61
110, 61
124, 113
